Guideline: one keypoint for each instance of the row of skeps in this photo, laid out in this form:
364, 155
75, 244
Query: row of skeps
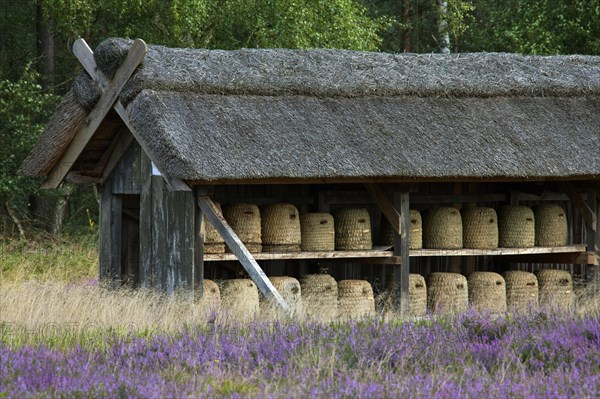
321, 297
280, 228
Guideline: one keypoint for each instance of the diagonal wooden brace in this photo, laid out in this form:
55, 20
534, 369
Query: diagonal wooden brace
386, 206
85, 55
109, 96
588, 213
241, 252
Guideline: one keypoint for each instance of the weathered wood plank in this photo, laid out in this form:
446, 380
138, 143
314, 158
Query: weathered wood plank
304, 255
578, 200
146, 273
126, 176
385, 205
401, 249
199, 236
134, 57
104, 247
117, 149
241, 252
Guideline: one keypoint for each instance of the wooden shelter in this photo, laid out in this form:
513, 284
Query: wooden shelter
167, 132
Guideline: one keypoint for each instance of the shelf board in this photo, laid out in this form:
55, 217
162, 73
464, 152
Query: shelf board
385, 255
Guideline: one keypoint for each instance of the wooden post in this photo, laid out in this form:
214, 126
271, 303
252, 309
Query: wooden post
241, 252
199, 236
593, 274
402, 249
110, 237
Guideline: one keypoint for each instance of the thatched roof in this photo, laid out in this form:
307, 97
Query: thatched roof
260, 115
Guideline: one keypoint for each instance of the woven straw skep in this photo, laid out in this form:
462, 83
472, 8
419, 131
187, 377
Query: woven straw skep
213, 242
415, 238
355, 299
480, 228
280, 228
556, 288
516, 227
487, 291
521, 290
352, 230
245, 220
417, 295
442, 228
447, 293
319, 297
318, 232
290, 291
211, 297
239, 299
551, 228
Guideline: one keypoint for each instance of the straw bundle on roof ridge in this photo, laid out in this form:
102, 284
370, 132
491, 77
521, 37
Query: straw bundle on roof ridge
516, 227
556, 288
245, 220
327, 73
290, 291
352, 229
521, 290
319, 297
211, 296
551, 228
318, 232
447, 293
442, 228
213, 242
280, 228
480, 228
487, 291
355, 299
239, 299
415, 238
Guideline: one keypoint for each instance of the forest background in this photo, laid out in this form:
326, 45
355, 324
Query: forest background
36, 64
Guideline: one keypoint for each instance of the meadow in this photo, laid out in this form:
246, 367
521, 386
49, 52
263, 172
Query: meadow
63, 335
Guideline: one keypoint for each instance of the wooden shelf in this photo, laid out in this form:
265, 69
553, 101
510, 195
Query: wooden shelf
567, 254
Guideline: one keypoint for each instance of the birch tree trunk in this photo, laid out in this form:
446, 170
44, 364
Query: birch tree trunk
444, 36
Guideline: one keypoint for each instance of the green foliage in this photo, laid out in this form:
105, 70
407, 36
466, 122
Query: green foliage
24, 109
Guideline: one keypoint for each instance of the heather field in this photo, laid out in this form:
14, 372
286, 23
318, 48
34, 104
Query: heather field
74, 339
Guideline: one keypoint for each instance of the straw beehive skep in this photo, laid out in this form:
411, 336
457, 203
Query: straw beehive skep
318, 232
290, 291
487, 291
352, 229
211, 297
245, 220
415, 237
551, 229
480, 228
447, 293
516, 227
355, 299
239, 299
280, 228
417, 295
213, 242
319, 297
556, 288
442, 228
521, 290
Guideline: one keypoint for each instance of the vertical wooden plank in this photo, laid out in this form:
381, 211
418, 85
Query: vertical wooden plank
591, 240
116, 229
126, 175
199, 236
146, 271
401, 248
104, 250
161, 269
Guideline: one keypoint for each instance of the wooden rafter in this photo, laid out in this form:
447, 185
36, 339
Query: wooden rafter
386, 206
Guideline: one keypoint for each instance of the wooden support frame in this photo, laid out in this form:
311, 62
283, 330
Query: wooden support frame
385, 205
259, 277
589, 214
402, 250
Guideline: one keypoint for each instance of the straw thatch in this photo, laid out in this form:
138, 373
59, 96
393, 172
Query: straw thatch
239, 299
551, 228
352, 229
245, 220
487, 291
211, 296
290, 290
216, 116
318, 232
480, 228
447, 293
280, 228
442, 228
319, 297
213, 242
556, 288
516, 227
415, 238
355, 299
521, 290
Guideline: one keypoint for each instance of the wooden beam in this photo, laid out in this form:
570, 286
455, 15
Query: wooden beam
85, 55
241, 252
385, 205
401, 248
589, 215
132, 60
